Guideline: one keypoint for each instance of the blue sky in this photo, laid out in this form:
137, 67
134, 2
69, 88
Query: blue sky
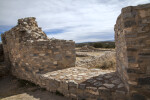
78, 20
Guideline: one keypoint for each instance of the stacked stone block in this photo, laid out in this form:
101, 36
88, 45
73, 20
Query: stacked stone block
84, 84
29, 51
29, 54
132, 35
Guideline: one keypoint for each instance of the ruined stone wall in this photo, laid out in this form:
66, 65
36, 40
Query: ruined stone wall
132, 35
29, 51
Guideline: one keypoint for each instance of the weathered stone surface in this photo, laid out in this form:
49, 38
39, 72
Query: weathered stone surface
132, 49
129, 24
144, 81
35, 57
109, 85
28, 48
87, 86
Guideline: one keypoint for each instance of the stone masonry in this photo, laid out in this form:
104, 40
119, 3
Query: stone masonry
132, 35
28, 50
31, 55
84, 84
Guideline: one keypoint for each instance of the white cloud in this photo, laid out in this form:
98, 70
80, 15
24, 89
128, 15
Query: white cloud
79, 18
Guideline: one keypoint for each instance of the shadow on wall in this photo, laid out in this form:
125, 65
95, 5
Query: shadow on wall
108, 86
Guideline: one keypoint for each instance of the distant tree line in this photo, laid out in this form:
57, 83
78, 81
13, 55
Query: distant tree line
97, 44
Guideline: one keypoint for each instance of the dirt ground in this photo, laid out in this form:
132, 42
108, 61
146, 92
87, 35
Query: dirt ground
12, 89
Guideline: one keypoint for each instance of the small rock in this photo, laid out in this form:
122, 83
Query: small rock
68, 75
82, 86
78, 79
106, 81
54, 74
72, 83
101, 88
109, 85
99, 78
108, 76
82, 74
121, 85
116, 81
92, 88
120, 92
61, 77
25, 23
91, 80
104, 91
97, 84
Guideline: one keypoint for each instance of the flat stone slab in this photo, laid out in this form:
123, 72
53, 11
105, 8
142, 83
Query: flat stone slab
76, 82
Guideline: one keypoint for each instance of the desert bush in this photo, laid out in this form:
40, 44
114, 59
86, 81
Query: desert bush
107, 63
107, 44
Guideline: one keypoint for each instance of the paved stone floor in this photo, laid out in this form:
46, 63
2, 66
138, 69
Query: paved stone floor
78, 82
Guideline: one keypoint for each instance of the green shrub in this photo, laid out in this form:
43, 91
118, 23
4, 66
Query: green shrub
98, 44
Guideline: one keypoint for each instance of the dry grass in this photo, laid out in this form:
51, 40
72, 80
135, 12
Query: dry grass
107, 61
102, 60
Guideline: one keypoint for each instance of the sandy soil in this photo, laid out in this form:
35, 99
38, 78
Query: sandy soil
11, 90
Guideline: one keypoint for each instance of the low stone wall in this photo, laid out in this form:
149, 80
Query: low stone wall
133, 50
95, 84
28, 50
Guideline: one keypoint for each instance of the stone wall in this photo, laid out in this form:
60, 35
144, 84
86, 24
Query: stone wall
132, 35
34, 57
29, 51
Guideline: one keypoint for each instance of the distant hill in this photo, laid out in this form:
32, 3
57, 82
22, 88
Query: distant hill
100, 44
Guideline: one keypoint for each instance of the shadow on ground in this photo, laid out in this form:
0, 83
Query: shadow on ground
14, 89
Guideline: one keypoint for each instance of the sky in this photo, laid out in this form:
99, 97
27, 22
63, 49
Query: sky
78, 20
